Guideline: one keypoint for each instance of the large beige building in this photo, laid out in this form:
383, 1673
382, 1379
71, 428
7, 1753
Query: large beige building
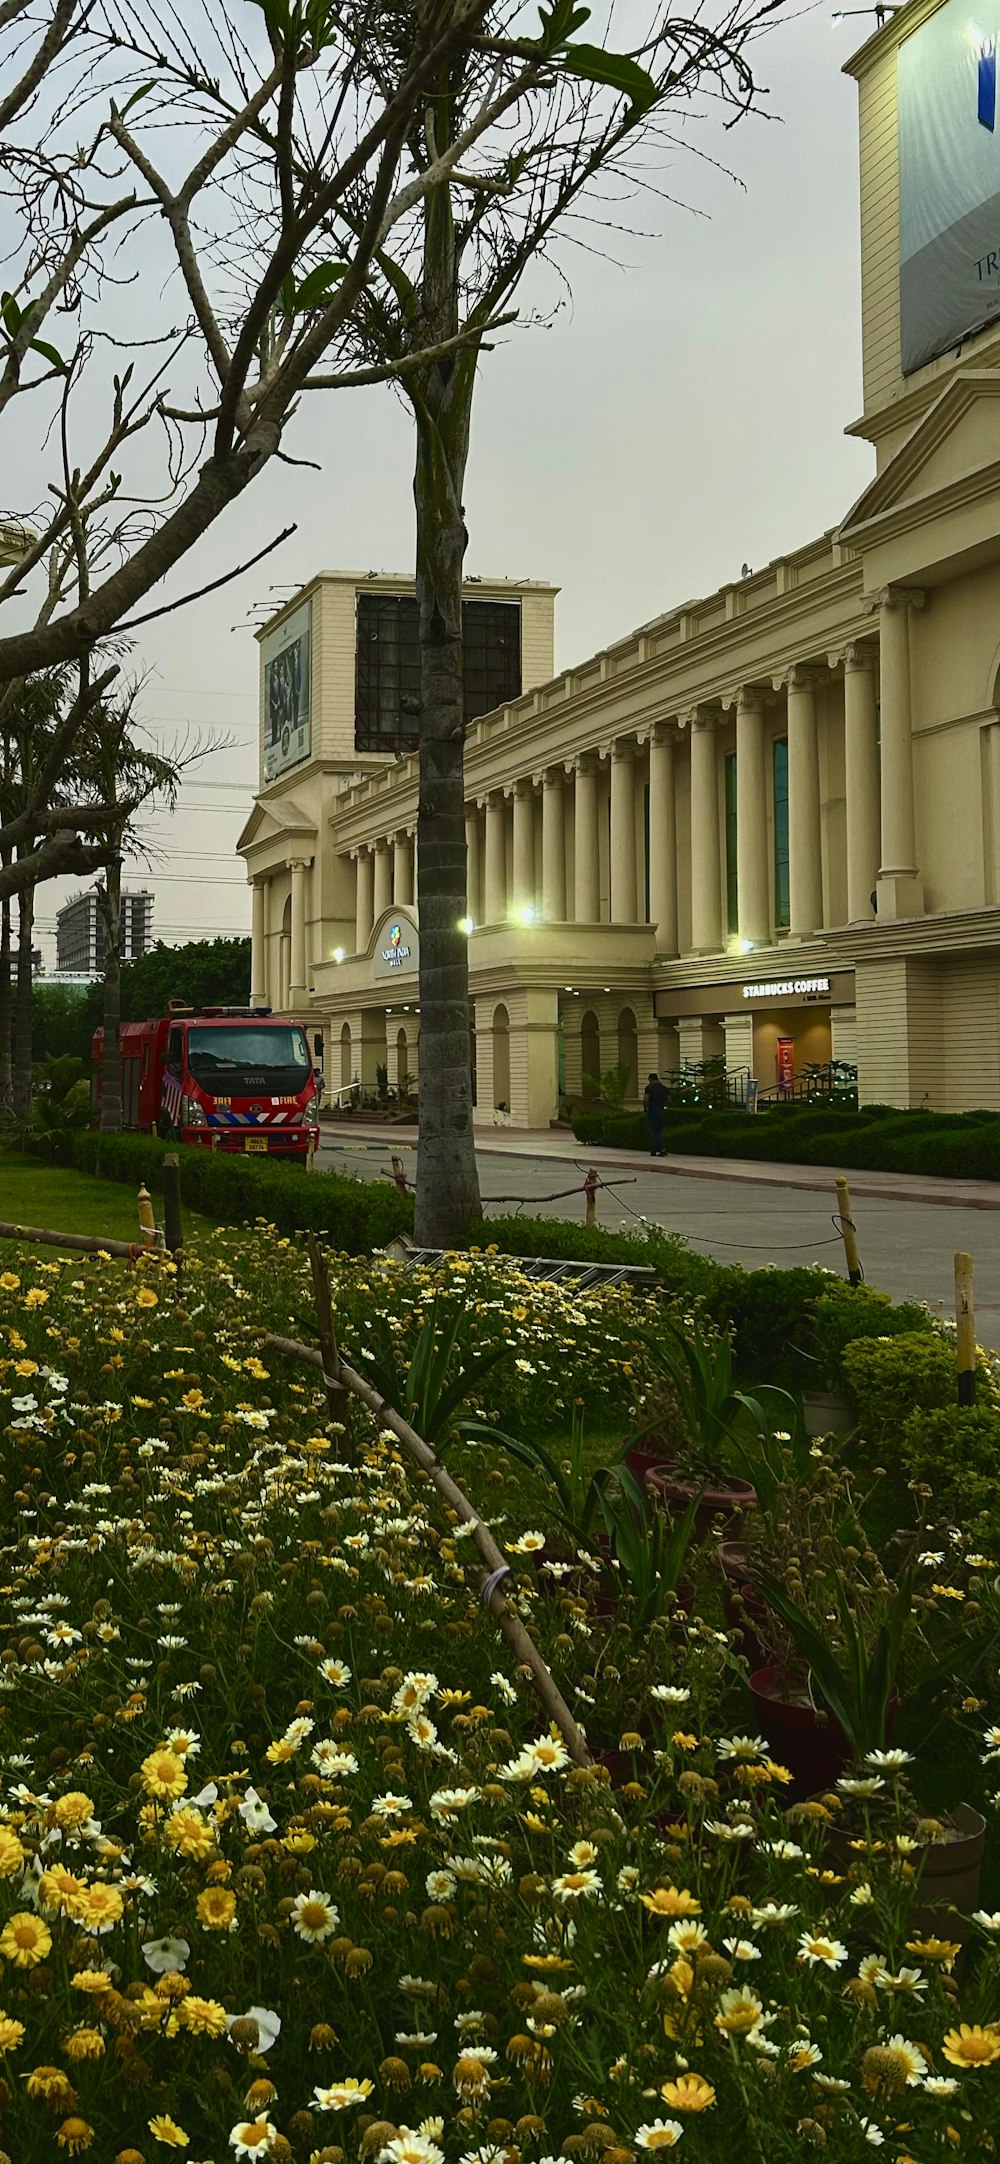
767, 823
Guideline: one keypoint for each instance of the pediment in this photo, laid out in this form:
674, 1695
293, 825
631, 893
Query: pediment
275, 820
953, 451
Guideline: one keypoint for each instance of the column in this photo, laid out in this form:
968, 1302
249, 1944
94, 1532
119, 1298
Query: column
364, 900
623, 863
805, 860
662, 839
383, 878
402, 869
706, 855
754, 911
523, 898
495, 897
899, 887
473, 865
258, 950
861, 782
553, 847
587, 862
297, 963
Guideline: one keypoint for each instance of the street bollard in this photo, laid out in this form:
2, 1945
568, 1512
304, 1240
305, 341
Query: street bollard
854, 1270
965, 1327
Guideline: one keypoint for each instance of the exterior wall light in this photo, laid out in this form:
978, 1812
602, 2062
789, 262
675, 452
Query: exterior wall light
340, 954
526, 915
466, 925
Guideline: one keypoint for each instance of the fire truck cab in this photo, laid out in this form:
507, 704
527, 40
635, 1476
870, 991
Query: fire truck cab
228, 1078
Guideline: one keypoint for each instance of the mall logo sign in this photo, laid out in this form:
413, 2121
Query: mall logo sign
397, 952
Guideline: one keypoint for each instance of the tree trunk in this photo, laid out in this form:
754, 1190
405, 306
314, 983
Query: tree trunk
447, 1181
6, 1015
22, 1006
110, 906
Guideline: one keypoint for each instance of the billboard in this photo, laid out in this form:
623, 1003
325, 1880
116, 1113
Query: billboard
949, 180
287, 657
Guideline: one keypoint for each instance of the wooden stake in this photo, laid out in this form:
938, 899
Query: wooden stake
854, 1270
590, 1187
965, 1324
172, 1229
76, 1243
336, 1395
523, 1646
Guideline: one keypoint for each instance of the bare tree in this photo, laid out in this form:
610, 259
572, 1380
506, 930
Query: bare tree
574, 130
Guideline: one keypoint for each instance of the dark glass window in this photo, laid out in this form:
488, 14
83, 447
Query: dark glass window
780, 770
732, 883
387, 676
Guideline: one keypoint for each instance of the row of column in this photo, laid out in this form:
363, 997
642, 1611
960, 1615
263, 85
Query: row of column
292, 991
384, 881
880, 817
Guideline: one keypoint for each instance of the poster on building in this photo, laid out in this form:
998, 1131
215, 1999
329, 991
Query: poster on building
949, 180
287, 659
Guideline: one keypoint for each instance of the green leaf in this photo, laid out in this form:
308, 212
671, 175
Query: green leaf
142, 92
620, 73
11, 312
559, 23
49, 353
316, 288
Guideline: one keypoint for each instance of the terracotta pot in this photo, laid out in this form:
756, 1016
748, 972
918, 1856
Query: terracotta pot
950, 1873
727, 1501
810, 1743
649, 1454
746, 1613
828, 1412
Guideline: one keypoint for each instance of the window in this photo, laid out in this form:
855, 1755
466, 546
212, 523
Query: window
387, 673
780, 776
732, 876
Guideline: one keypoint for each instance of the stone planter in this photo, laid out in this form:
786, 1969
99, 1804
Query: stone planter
746, 1614
828, 1412
950, 1873
800, 1736
723, 1506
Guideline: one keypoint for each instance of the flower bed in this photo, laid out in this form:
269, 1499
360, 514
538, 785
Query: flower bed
290, 1866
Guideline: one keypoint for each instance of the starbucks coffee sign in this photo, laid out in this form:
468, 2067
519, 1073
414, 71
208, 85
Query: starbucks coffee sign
397, 950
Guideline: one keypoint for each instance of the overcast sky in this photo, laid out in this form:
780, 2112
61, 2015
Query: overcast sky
685, 416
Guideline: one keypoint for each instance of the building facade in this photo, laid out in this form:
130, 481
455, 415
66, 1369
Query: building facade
765, 825
80, 931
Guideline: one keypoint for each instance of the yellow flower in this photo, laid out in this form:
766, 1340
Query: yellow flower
93, 1980
204, 2017
11, 2033
165, 2129
690, 2092
74, 2134
943, 1950
50, 2083
84, 2044
967, 2046
671, 1901
36, 1297
25, 1940
73, 1809
146, 1297
216, 1908
11, 1853
188, 1831
193, 1400
740, 2011
9, 1283
163, 1774
97, 1907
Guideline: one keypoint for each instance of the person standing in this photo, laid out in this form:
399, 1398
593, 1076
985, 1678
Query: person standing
654, 1105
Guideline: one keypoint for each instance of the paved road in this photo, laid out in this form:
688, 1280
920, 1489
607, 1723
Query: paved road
906, 1246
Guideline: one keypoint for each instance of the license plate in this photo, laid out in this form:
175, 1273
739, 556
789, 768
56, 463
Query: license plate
256, 1142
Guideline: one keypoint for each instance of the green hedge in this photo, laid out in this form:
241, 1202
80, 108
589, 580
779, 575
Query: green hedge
355, 1215
879, 1138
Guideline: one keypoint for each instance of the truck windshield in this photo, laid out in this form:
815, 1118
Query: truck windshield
271, 1058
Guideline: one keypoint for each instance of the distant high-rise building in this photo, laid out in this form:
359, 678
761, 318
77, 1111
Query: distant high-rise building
80, 931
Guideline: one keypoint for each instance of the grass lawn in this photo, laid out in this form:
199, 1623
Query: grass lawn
62, 1200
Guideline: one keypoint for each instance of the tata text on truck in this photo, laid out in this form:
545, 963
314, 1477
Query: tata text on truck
229, 1078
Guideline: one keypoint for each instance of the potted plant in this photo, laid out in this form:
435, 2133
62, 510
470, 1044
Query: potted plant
726, 1431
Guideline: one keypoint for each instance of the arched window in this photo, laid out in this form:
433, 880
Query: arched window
628, 1051
590, 1054
501, 1059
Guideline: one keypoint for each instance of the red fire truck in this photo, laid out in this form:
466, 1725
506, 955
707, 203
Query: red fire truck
233, 1078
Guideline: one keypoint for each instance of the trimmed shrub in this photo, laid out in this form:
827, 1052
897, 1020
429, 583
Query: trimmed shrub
354, 1215
879, 1138
844, 1313
915, 1370
957, 1454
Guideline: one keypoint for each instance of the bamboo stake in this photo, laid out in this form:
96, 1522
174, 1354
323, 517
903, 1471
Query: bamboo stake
852, 1257
492, 1598
172, 1227
965, 1324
